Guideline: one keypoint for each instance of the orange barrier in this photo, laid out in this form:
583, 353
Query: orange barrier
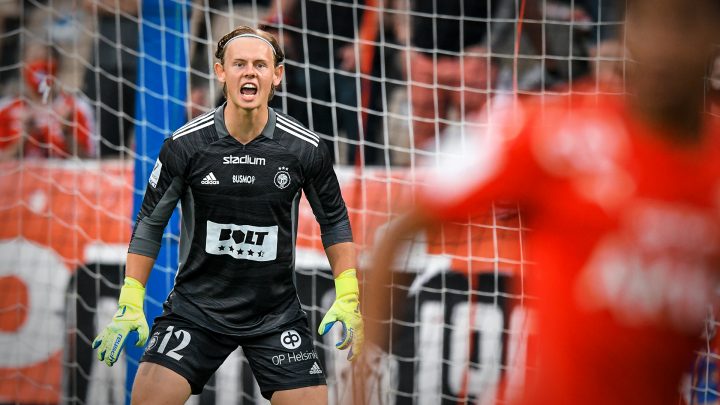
63, 206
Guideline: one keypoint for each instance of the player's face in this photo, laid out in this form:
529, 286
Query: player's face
249, 73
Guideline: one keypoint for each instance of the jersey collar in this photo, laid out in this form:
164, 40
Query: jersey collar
222, 130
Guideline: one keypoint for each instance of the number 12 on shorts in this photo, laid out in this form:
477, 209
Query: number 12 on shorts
181, 335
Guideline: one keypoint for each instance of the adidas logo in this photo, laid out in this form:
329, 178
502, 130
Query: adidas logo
210, 179
315, 369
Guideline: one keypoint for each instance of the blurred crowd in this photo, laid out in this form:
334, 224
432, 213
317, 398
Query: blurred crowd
68, 78
382, 81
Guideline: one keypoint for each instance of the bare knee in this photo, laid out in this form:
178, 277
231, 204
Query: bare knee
155, 384
314, 395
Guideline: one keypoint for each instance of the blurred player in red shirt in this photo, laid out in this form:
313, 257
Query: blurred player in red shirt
623, 199
45, 121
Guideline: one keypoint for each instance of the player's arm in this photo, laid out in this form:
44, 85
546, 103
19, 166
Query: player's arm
342, 256
468, 178
161, 196
139, 267
323, 194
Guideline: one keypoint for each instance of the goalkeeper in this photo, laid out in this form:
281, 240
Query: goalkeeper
238, 172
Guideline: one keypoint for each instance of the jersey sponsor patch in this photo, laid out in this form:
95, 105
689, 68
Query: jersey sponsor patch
243, 160
290, 339
155, 175
247, 242
243, 179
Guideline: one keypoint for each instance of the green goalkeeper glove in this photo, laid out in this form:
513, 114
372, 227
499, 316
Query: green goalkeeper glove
129, 317
346, 310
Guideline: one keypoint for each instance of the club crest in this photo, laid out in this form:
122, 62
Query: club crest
153, 341
282, 178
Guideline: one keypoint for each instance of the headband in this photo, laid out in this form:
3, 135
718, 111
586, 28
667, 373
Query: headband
252, 36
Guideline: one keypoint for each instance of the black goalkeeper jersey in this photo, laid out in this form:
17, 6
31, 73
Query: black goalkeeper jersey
239, 207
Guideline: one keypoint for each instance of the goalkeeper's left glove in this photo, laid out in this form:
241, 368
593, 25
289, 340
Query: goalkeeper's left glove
129, 317
346, 310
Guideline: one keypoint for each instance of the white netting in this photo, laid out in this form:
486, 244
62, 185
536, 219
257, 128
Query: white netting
361, 74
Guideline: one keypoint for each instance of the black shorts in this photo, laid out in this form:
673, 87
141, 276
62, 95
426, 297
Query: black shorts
282, 360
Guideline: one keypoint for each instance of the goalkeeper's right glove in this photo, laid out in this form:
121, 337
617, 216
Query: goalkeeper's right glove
129, 317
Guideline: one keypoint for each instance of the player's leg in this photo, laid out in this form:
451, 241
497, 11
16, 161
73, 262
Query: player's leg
286, 365
316, 395
155, 384
177, 362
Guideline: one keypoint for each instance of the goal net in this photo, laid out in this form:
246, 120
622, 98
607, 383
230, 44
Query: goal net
91, 88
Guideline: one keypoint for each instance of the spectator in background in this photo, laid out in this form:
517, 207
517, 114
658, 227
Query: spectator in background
45, 121
577, 39
331, 82
110, 79
449, 66
604, 45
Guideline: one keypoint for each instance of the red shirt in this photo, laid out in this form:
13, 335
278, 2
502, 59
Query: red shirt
624, 234
51, 128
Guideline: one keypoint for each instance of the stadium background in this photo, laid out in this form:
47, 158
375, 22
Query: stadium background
66, 216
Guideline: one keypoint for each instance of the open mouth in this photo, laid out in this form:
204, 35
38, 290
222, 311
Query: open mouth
248, 89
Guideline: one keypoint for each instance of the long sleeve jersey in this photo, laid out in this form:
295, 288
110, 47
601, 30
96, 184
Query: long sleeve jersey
239, 205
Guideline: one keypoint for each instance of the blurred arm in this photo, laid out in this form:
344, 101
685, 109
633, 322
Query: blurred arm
376, 292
